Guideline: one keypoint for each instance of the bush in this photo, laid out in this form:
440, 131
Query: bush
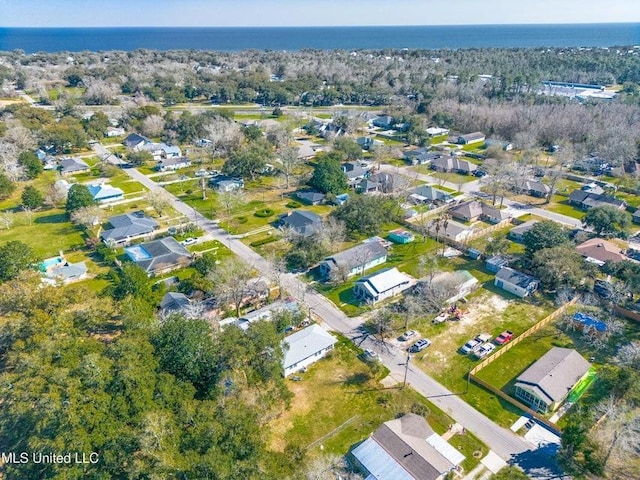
293, 204
242, 220
263, 241
265, 212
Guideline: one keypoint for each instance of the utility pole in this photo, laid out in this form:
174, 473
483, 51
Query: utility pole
406, 370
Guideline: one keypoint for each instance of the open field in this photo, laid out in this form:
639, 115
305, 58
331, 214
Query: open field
342, 387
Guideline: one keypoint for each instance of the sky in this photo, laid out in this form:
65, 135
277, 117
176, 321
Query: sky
228, 13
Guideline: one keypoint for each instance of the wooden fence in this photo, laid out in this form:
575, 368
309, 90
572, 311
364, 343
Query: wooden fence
541, 324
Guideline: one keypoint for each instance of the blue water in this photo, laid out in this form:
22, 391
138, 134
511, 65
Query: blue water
327, 38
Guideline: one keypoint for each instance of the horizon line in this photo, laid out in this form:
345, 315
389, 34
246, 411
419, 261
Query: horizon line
637, 22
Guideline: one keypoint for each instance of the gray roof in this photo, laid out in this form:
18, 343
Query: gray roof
354, 169
536, 186
471, 209
515, 277
432, 193
163, 253
70, 271
134, 139
306, 343
594, 200
469, 137
409, 449
310, 196
555, 374
174, 301
69, 165
523, 228
168, 162
356, 256
129, 225
303, 222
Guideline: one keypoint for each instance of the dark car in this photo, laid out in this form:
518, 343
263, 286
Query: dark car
479, 173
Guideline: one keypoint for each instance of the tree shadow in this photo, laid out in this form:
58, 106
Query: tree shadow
541, 463
54, 218
358, 379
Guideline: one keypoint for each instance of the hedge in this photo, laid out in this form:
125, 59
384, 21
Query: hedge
264, 241
265, 212
294, 204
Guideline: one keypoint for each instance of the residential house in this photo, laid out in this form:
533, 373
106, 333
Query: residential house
159, 256
430, 194
310, 197
174, 302
470, 138
447, 163
496, 262
517, 233
636, 216
456, 231
517, 283
302, 222
367, 143
172, 164
135, 141
388, 182
267, 312
105, 193
368, 186
406, 448
546, 384
114, 132
127, 227
474, 210
69, 166
419, 156
203, 142
436, 131
600, 251
385, 122
506, 146
355, 172
585, 200
223, 183
305, 347
536, 188
58, 269
381, 285
161, 151
354, 261
593, 188
454, 285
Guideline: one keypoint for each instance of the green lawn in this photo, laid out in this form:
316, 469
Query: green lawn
558, 205
343, 387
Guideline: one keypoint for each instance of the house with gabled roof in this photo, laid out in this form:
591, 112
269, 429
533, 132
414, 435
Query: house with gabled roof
536, 188
517, 233
470, 138
69, 166
159, 256
600, 251
135, 141
474, 210
546, 384
305, 347
515, 282
172, 164
354, 261
447, 163
430, 194
105, 193
310, 197
381, 285
383, 121
128, 226
585, 200
302, 222
406, 448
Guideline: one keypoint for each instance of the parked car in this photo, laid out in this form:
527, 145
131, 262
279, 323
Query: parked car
479, 173
504, 337
483, 337
201, 173
485, 350
189, 241
469, 346
407, 335
370, 355
420, 345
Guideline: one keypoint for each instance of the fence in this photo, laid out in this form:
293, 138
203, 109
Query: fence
472, 377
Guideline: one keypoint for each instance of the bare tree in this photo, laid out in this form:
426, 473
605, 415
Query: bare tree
88, 217
159, 200
55, 196
379, 325
279, 136
231, 280
289, 162
225, 135
153, 125
231, 200
332, 234
629, 354
6, 220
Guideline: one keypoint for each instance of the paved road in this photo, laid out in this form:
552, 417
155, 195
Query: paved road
502, 441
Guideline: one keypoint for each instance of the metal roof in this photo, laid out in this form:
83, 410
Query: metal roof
306, 343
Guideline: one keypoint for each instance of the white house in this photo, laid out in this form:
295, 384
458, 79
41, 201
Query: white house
114, 132
355, 260
305, 347
382, 285
172, 164
104, 193
515, 282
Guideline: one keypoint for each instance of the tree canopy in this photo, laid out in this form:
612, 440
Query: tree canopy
328, 176
79, 196
249, 161
545, 234
365, 214
32, 197
15, 256
608, 221
31, 164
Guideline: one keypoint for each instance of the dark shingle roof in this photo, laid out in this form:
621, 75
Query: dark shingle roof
356, 256
515, 277
165, 252
303, 222
129, 225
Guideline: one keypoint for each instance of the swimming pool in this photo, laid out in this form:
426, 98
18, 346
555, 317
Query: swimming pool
137, 253
50, 263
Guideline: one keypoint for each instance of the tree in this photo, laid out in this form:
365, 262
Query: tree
15, 256
289, 162
558, 267
153, 126
608, 221
32, 198
231, 281
159, 200
131, 280
249, 161
380, 324
545, 234
347, 148
31, 164
365, 214
328, 176
139, 158
205, 263
7, 187
6, 220
79, 196
498, 245
88, 217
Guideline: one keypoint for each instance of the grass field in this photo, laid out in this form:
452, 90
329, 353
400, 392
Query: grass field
562, 206
342, 387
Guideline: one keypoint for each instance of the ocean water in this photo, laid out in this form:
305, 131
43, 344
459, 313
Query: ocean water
326, 38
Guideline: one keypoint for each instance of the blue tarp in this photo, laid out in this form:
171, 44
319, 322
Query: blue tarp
588, 321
